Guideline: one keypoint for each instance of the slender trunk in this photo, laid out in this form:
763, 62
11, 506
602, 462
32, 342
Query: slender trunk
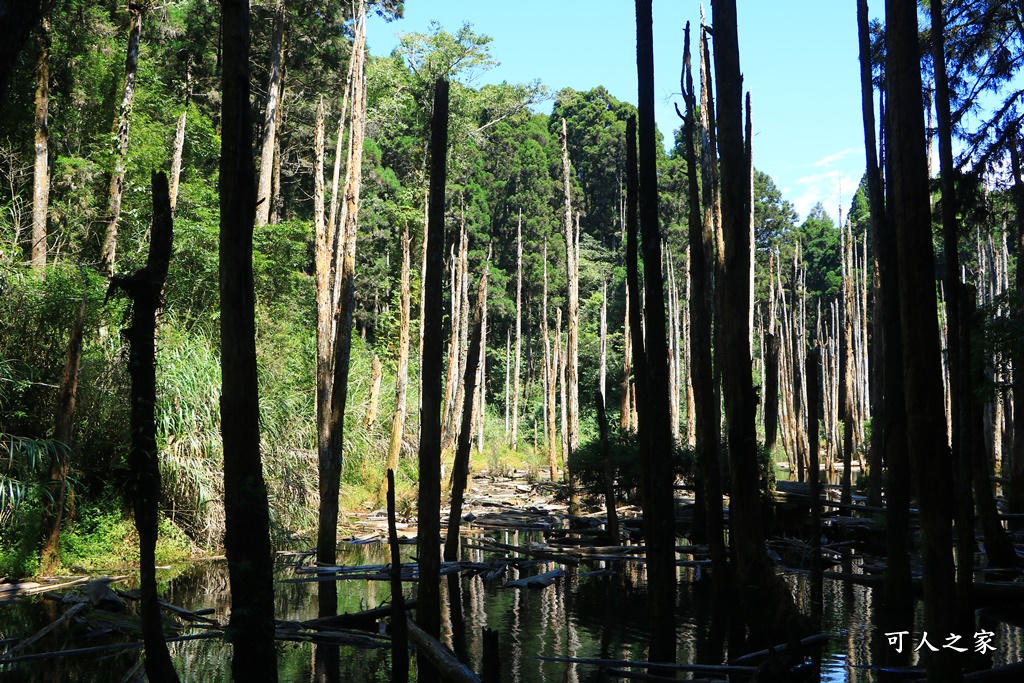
603, 340
928, 448
63, 432
550, 378
481, 385
176, 155
519, 333
41, 175
124, 110
376, 374
1016, 488
331, 456
399, 621
655, 425
270, 117
247, 517
402, 372
460, 469
144, 289
562, 362
625, 404
508, 377
572, 327
609, 472
763, 594
703, 376
428, 608
332, 220
846, 368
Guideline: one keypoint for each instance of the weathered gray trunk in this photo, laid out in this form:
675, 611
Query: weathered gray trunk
270, 117
41, 173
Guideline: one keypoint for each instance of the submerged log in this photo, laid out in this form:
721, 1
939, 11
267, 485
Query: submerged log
443, 660
539, 581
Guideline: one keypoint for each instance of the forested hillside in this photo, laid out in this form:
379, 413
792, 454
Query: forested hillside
755, 309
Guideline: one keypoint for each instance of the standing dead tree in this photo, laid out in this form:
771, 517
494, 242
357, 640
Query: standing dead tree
144, 288
271, 116
247, 516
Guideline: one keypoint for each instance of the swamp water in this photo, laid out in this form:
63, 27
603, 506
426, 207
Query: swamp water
594, 611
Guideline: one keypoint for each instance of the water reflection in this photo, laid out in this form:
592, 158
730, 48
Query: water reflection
587, 615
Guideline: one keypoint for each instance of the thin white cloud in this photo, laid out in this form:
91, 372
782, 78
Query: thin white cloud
832, 158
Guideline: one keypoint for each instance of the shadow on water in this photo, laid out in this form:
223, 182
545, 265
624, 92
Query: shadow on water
596, 610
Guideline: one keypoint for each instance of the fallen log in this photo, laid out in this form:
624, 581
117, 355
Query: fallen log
724, 669
539, 581
67, 615
450, 668
100, 649
354, 619
808, 642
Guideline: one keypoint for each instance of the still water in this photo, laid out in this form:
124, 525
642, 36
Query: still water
584, 614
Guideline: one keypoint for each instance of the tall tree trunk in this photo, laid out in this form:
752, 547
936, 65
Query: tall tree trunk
460, 469
609, 472
960, 414
927, 444
428, 608
551, 378
508, 377
331, 457
402, 372
765, 597
572, 317
846, 367
655, 425
247, 517
625, 404
124, 111
603, 340
519, 332
376, 375
63, 432
144, 289
1016, 488
270, 117
708, 432
563, 393
41, 174
176, 156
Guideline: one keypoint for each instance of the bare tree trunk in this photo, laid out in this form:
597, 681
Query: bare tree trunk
563, 392
519, 332
428, 608
847, 367
247, 518
270, 117
609, 472
1016, 488
701, 310
508, 377
550, 378
603, 340
460, 469
144, 289
63, 432
402, 373
572, 327
655, 425
109, 255
176, 154
762, 592
376, 374
625, 407
331, 456
41, 174
481, 385
927, 444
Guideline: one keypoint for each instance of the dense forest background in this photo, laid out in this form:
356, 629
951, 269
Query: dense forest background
813, 275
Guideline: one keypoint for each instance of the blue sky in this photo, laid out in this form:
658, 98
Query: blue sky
799, 59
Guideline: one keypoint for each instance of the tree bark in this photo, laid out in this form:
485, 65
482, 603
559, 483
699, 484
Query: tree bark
767, 601
550, 377
708, 432
331, 457
519, 332
1016, 488
247, 519
144, 289
428, 610
41, 174
655, 423
63, 431
121, 123
270, 117
572, 328
927, 444
460, 469
402, 372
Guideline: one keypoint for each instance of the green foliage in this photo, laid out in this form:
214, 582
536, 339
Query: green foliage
624, 448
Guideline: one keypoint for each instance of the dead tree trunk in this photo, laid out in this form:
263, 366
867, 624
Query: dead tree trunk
63, 432
519, 332
460, 469
376, 374
144, 289
121, 122
428, 609
609, 472
247, 518
331, 457
625, 404
927, 444
708, 432
1016, 488
762, 593
572, 328
655, 425
41, 174
270, 117
551, 378
402, 372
